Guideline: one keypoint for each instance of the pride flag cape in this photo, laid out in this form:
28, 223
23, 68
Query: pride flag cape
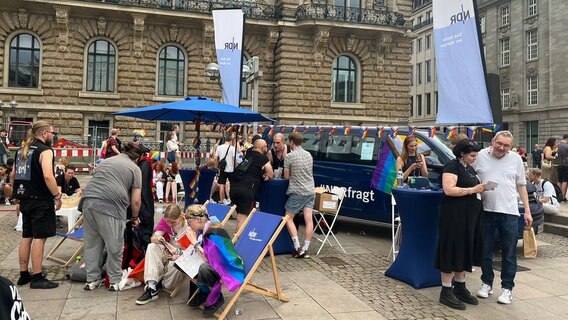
385, 172
223, 258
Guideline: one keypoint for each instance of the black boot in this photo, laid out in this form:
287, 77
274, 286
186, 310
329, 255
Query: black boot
461, 292
447, 298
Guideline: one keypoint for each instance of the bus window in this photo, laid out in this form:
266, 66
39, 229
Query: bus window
311, 143
364, 151
338, 148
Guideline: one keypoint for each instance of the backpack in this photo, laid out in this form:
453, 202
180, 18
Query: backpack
559, 196
223, 162
241, 170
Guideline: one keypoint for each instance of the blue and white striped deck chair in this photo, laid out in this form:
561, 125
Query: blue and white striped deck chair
253, 241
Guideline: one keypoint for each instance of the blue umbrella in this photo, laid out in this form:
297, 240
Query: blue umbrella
195, 108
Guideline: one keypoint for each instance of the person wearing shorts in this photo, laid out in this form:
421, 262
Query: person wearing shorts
36, 188
298, 169
243, 189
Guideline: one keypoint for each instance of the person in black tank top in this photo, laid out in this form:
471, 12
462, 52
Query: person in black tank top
410, 161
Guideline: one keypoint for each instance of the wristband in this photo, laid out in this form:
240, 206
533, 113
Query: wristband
57, 197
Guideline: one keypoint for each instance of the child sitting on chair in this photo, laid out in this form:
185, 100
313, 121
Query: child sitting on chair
223, 264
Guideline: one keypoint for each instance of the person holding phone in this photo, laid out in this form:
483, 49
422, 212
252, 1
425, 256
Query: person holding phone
161, 253
410, 161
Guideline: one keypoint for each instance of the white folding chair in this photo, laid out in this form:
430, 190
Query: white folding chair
396, 231
321, 222
181, 192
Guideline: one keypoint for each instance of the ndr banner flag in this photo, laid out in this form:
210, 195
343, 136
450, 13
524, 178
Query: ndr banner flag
462, 91
229, 24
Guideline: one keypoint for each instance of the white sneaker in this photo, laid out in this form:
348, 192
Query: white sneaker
7, 202
90, 286
485, 291
506, 296
114, 287
226, 202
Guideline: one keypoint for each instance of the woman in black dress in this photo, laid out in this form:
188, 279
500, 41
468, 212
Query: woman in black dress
460, 245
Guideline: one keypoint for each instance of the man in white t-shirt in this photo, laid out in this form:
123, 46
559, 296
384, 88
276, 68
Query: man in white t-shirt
225, 151
501, 213
545, 191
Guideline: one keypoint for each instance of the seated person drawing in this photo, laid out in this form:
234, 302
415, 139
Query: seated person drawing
222, 265
410, 161
67, 183
159, 270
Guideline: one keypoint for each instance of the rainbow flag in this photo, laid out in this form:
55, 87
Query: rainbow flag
223, 258
394, 132
295, 129
320, 130
271, 132
259, 129
139, 132
155, 156
451, 132
347, 131
193, 183
412, 129
365, 133
332, 130
385, 173
380, 131
472, 132
306, 128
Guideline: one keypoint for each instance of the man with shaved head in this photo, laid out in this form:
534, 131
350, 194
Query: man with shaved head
278, 152
244, 187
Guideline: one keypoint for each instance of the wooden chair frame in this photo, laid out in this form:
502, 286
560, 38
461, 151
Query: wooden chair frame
69, 235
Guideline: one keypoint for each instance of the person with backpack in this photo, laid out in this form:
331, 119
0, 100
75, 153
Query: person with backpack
246, 179
226, 163
563, 166
545, 190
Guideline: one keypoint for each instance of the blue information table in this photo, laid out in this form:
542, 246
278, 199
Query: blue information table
272, 198
419, 215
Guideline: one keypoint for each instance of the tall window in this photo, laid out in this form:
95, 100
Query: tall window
171, 71
532, 91
419, 73
482, 24
344, 80
532, 44
101, 64
436, 102
419, 45
505, 52
428, 71
531, 129
505, 98
428, 15
428, 41
411, 106
24, 61
412, 75
428, 103
419, 105
532, 8
505, 15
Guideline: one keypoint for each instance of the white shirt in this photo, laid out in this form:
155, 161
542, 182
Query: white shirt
221, 151
546, 189
508, 172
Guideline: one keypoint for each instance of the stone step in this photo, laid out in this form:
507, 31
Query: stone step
557, 218
556, 228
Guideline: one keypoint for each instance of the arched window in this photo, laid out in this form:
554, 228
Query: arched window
171, 71
344, 80
101, 66
24, 61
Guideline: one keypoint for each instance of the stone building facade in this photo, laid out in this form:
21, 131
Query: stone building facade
524, 42
93, 58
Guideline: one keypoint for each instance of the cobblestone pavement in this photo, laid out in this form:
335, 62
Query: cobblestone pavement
361, 271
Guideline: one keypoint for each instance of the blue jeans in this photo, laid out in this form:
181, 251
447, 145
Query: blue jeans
507, 226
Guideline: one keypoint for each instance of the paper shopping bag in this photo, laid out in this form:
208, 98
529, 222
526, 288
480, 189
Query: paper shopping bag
529, 243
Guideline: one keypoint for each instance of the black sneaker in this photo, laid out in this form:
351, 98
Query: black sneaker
25, 278
149, 295
198, 300
448, 298
210, 310
43, 283
301, 254
461, 292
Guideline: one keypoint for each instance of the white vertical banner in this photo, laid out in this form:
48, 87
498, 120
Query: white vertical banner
462, 91
229, 25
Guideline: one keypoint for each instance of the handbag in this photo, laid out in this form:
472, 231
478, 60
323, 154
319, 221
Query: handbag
529, 243
546, 164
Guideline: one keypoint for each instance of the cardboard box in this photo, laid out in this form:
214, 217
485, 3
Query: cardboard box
325, 201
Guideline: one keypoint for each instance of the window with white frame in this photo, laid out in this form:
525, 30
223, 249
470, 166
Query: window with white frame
532, 91
419, 105
344, 79
428, 41
171, 71
505, 98
505, 15
24, 61
101, 66
532, 8
505, 52
532, 44
482, 24
428, 103
419, 73
419, 45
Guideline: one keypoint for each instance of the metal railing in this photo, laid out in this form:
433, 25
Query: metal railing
312, 11
422, 24
251, 9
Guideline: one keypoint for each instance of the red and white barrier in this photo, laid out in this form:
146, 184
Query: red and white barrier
69, 152
187, 155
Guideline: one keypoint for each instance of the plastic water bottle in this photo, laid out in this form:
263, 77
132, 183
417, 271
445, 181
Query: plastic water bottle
238, 311
399, 178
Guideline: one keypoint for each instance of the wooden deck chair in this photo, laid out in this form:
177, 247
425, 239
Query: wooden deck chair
181, 192
221, 212
76, 234
322, 223
252, 242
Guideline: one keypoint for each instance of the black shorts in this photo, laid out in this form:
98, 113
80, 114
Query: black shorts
562, 173
38, 218
243, 197
223, 176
